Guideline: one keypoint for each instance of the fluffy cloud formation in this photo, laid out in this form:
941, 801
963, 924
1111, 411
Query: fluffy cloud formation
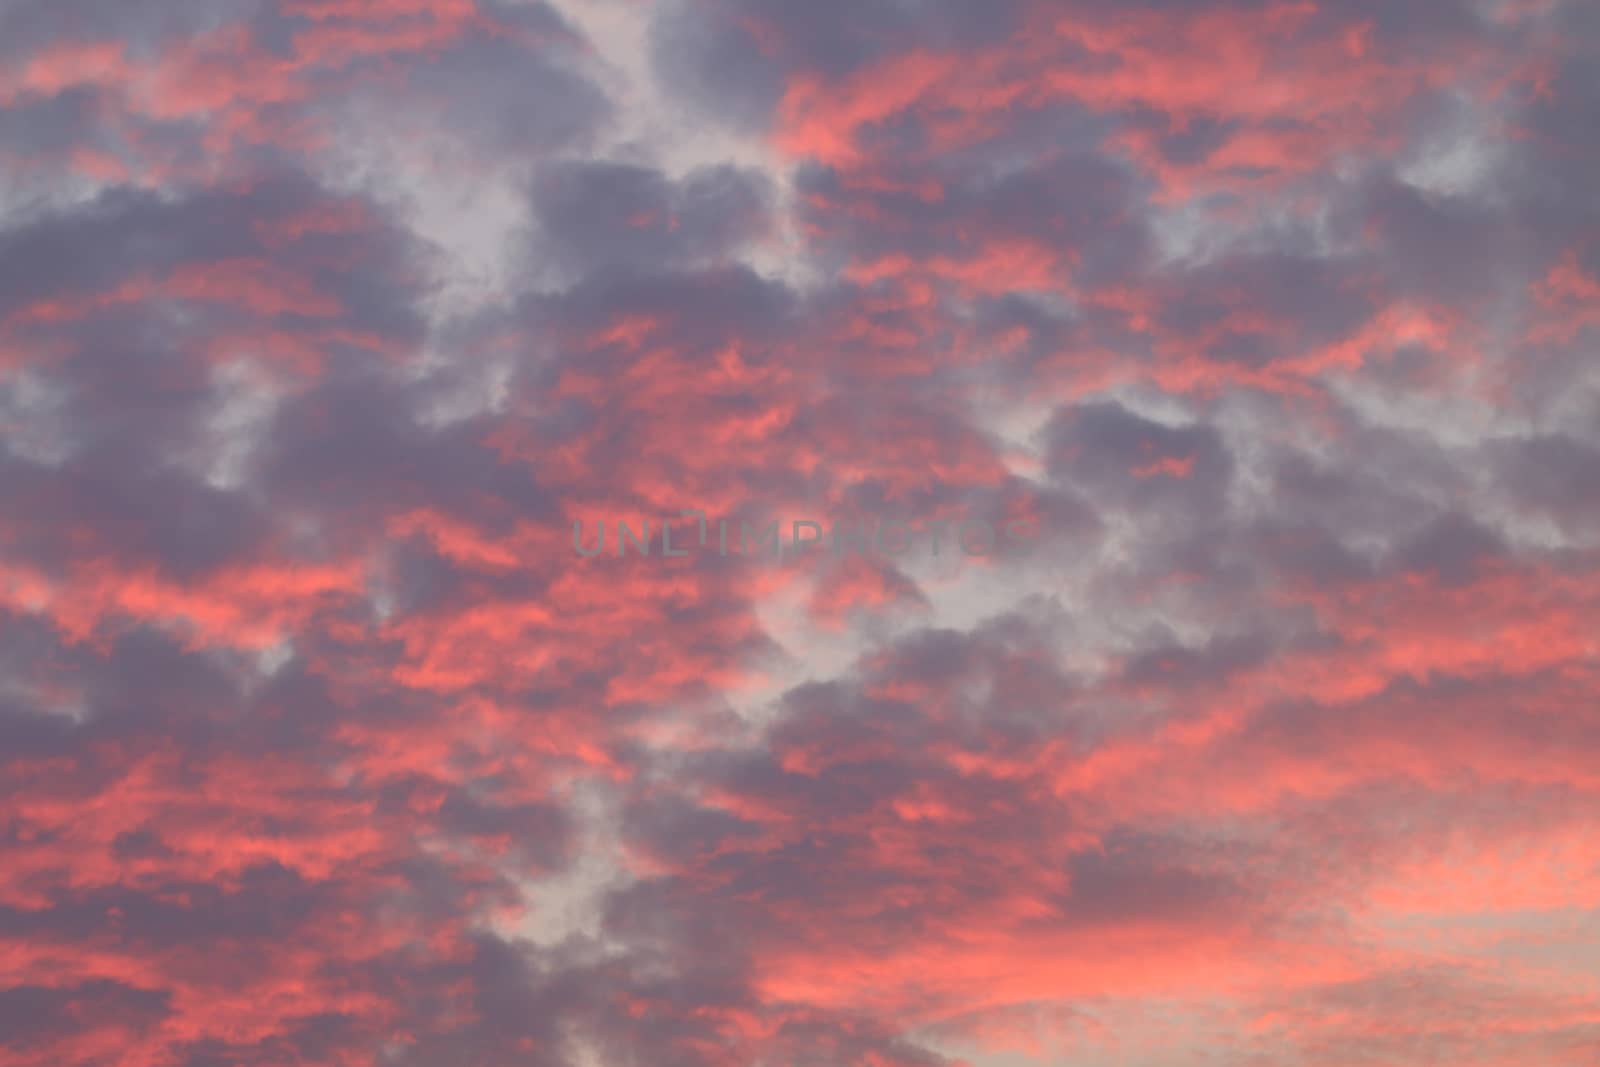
322, 322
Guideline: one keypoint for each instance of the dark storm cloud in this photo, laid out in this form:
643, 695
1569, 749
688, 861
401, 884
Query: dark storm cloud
1325, 299
134, 386
356, 449
1132, 461
519, 90
1086, 206
141, 25
1554, 475
610, 214
124, 235
37, 1017
734, 60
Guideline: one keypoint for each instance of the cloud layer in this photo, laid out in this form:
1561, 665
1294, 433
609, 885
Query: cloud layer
323, 321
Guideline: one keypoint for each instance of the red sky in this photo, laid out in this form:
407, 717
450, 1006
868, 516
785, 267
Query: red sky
322, 322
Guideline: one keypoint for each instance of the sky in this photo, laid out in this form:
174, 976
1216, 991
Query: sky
1249, 345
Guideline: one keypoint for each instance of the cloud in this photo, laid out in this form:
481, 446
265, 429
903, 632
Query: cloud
323, 321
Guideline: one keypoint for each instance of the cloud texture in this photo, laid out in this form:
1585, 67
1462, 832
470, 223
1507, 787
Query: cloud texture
323, 321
